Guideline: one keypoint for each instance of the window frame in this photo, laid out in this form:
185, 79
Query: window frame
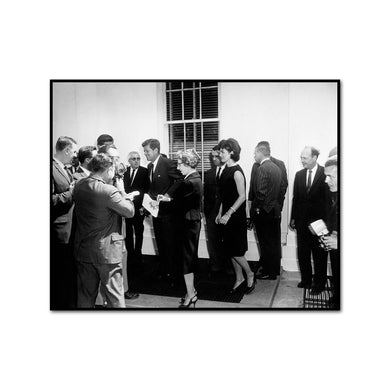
184, 122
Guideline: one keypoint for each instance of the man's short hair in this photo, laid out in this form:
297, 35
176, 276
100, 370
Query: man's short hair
101, 162
104, 139
131, 153
153, 143
332, 162
264, 148
215, 148
314, 151
85, 152
64, 142
231, 145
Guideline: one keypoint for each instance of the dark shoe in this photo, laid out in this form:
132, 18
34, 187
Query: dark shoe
192, 301
316, 290
266, 277
236, 289
182, 300
250, 289
131, 295
304, 285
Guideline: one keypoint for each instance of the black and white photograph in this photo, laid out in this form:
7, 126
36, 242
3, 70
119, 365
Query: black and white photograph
195, 194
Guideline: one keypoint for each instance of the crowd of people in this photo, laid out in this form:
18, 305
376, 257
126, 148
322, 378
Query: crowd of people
97, 212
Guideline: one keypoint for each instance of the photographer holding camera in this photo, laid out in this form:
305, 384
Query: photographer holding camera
98, 243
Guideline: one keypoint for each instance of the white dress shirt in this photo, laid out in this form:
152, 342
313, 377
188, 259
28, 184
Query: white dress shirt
313, 174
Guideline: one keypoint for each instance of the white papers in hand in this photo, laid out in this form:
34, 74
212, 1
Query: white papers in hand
150, 205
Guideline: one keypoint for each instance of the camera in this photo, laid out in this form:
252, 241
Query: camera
319, 229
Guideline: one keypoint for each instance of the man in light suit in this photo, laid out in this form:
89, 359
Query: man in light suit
309, 204
98, 242
62, 269
85, 155
135, 179
282, 193
265, 211
164, 179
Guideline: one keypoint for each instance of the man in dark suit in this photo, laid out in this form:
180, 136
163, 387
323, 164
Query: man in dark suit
309, 204
62, 269
164, 179
98, 242
211, 204
332, 223
265, 211
85, 155
135, 179
281, 196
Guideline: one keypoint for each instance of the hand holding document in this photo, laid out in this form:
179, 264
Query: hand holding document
150, 205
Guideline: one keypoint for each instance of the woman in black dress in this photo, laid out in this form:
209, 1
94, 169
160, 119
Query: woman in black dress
232, 214
187, 201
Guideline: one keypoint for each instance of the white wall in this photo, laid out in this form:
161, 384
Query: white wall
130, 112
288, 115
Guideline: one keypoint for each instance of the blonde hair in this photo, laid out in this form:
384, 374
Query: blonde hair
189, 157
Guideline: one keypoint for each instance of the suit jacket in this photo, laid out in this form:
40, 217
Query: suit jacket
140, 183
211, 198
284, 181
266, 187
332, 221
166, 179
309, 206
79, 174
61, 203
188, 196
283, 184
98, 210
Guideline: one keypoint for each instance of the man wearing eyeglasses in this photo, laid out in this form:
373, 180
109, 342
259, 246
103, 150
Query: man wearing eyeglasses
135, 179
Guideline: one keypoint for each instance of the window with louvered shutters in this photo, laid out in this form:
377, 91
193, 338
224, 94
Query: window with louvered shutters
192, 118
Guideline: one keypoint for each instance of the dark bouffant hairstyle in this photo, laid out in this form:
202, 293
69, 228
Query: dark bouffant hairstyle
231, 145
101, 162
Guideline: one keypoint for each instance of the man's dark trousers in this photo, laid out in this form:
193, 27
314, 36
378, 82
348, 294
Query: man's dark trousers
134, 227
267, 228
308, 244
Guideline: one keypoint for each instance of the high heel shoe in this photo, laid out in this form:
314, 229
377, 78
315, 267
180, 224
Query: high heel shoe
192, 301
182, 300
252, 287
235, 289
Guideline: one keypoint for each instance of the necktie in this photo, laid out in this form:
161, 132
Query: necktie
151, 173
132, 176
218, 173
69, 173
309, 181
